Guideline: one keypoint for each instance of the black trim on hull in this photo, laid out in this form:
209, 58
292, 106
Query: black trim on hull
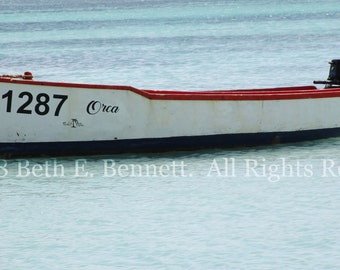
9, 150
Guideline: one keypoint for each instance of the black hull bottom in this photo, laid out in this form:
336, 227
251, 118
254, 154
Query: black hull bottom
9, 150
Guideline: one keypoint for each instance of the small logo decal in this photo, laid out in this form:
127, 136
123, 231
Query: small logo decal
73, 123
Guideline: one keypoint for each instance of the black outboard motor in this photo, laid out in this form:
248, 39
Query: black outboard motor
333, 79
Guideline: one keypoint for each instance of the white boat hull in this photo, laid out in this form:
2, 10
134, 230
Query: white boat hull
71, 119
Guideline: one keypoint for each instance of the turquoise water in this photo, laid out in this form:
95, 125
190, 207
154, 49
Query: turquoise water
274, 207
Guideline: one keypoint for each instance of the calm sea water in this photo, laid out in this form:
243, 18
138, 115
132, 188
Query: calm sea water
274, 207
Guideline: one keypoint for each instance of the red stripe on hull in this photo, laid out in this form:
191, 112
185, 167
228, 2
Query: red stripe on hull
281, 93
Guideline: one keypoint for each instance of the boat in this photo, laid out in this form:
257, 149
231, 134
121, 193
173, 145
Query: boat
42, 118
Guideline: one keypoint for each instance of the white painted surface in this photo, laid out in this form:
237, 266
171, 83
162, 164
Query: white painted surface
139, 117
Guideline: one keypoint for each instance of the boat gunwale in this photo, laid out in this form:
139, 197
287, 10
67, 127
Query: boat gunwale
278, 93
